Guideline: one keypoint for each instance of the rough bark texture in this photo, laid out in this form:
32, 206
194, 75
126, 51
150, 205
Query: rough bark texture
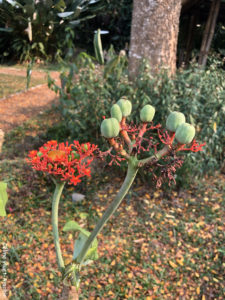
154, 33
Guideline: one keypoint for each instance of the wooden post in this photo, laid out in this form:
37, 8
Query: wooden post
190, 38
209, 32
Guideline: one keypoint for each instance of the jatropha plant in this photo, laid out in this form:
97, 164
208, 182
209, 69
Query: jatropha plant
144, 145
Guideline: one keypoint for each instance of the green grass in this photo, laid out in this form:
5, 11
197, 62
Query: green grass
44, 67
150, 248
10, 84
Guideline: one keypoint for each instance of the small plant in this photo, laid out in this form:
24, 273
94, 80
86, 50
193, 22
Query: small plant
29, 72
132, 143
3, 198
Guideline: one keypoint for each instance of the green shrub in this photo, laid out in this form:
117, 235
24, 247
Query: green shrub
199, 94
115, 18
43, 29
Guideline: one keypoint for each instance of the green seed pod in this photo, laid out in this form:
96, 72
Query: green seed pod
185, 133
116, 112
125, 106
110, 128
174, 119
147, 113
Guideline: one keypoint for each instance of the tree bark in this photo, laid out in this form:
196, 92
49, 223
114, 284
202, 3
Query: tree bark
209, 32
2, 295
69, 293
154, 34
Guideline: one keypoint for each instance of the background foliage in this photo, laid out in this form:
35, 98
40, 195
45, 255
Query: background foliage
55, 36
116, 19
43, 29
199, 94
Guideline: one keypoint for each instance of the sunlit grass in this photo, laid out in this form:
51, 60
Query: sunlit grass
10, 84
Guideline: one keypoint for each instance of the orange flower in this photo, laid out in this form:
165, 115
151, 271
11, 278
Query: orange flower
65, 162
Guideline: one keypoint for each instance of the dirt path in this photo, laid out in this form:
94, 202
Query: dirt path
17, 108
23, 72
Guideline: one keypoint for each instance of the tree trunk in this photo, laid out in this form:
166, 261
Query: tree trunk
2, 295
69, 293
209, 32
154, 34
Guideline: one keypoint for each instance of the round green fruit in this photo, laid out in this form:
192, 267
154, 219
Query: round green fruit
110, 128
116, 112
147, 113
125, 107
174, 119
185, 133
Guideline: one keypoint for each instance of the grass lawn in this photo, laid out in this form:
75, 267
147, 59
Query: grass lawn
10, 84
44, 67
157, 246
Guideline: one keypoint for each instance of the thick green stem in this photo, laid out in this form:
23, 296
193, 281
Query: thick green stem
55, 207
131, 174
154, 157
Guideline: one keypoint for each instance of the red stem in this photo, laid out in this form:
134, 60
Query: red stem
124, 133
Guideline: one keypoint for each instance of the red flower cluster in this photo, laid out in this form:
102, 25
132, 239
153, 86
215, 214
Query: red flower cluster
65, 162
194, 147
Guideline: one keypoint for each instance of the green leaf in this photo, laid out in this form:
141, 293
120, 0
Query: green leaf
74, 226
42, 48
111, 65
3, 198
65, 14
60, 5
98, 47
92, 253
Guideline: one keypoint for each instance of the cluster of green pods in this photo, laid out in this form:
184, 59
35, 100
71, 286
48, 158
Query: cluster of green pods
110, 128
184, 132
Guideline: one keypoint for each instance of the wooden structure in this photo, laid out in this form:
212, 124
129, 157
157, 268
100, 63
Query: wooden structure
206, 12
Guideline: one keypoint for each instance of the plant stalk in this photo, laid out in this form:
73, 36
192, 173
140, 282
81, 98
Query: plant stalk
164, 151
131, 174
55, 208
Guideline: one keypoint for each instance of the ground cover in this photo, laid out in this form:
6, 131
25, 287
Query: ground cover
159, 245
16, 108
13, 77
37, 66
11, 84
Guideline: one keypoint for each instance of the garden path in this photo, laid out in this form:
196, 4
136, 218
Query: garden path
17, 108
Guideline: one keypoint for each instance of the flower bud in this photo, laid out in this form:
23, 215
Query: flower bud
174, 119
125, 106
110, 128
185, 133
116, 112
147, 113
